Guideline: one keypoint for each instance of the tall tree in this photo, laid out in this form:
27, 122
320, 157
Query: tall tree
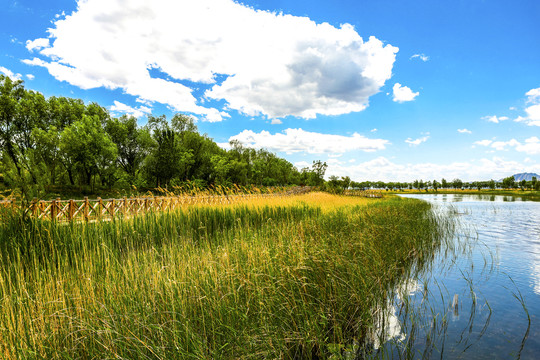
86, 145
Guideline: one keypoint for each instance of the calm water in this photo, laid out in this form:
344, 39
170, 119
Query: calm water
495, 277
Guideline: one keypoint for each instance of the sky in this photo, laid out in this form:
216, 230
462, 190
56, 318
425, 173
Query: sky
380, 90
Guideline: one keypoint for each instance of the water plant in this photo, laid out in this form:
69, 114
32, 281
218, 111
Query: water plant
295, 277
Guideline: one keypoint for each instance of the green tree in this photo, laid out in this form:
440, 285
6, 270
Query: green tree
508, 182
88, 148
133, 143
457, 183
444, 183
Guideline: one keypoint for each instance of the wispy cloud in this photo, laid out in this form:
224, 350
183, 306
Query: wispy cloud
418, 141
10, 74
385, 169
495, 119
126, 109
297, 140
422, 57
530, 146
464, 131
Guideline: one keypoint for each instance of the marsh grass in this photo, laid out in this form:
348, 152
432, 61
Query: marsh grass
296, 277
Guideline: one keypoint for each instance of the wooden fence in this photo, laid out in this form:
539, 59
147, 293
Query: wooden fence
364, 193
105, 209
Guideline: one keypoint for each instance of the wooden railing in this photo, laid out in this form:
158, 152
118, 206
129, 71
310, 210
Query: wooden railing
106, 209
364, 193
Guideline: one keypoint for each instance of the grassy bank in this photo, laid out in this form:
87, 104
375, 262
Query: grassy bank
281, 278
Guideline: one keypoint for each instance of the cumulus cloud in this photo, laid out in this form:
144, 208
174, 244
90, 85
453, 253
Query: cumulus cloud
276, 122
533, 95
422, 57
10, 74
530, 146
37, 44
298, 140
464, 131
403, 93
30, 76
258, 62
532, 110
384, 169
418, 141
495, 119
126, 109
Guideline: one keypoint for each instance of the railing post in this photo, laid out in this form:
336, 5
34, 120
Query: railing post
100, 208
58, 207
86, 208
34, 207
53, 210
71, 209
125, 205
111, 208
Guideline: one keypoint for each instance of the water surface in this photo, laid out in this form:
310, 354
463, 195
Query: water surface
495, 279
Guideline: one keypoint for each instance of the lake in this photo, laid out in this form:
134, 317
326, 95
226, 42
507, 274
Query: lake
481, 298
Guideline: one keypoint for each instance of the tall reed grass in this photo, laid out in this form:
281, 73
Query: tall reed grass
298, 278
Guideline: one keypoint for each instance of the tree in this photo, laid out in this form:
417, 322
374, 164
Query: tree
11, 93
133, 143
444, 183
435, 185
534, 183
508, 182
457, 183
87, 148
491, 184
315, 175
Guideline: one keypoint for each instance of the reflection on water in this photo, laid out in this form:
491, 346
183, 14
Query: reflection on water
483, 302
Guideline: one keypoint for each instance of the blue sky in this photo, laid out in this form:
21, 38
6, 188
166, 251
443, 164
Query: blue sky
380, 90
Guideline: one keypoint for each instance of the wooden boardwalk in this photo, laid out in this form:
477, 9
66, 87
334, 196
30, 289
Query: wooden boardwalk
106, 209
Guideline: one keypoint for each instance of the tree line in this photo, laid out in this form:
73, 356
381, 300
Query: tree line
60, 142
507, 183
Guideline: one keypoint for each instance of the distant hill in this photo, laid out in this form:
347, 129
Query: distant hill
525, 176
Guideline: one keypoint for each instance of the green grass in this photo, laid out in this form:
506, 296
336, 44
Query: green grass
221, 282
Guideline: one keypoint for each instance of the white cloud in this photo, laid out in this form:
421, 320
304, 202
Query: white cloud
403, 93
373, 130
531, 145
418, 141
483, 142
126, 109
383, 169
298, 140
37, 44
495, 119
532, 111
422, 57
30, 76
272, 64
533, 95
10, 74
464, 131
276, 122
302, 164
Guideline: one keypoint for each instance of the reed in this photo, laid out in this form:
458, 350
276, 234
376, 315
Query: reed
295, 277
